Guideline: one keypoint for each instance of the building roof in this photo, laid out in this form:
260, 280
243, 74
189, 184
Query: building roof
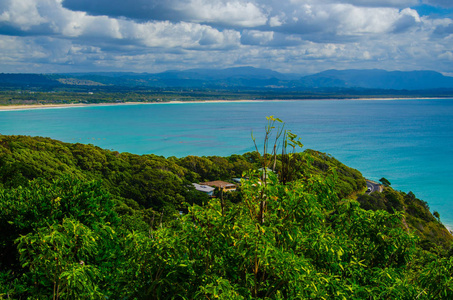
203, 188
219, 184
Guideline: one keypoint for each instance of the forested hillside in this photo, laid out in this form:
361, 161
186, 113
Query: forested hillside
151, 182
77, 221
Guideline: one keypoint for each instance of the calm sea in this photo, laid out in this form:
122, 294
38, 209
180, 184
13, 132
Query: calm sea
409, 142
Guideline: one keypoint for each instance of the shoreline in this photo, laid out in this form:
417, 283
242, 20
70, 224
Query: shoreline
24, 109
75, 105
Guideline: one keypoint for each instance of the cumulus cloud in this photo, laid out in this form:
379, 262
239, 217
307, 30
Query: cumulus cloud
154, 35
341, 22
300, 17
23, 14
363, 3
383, 3
256, 37
238, 13
234, 13
53, 20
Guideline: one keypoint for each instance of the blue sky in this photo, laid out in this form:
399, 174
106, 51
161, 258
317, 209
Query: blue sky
297, 36
433, 11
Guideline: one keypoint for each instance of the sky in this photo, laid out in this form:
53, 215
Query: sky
289, 36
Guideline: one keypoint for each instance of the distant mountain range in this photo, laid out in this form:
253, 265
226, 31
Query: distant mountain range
240, 78
379, 79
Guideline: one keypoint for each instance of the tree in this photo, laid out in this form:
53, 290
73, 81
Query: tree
385, 182
437, 215
57, 238
61, 261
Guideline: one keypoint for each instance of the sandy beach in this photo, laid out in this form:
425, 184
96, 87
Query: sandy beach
50, 106
47, 106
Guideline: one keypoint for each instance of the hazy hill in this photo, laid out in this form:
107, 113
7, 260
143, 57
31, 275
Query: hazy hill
245, 77
249, 77
27, 80
378, 79
213, 74
242, 78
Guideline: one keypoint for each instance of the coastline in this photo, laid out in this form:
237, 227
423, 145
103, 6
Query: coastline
48, 106
75, 105
168, 141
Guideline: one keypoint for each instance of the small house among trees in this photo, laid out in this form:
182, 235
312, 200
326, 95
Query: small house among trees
204, 188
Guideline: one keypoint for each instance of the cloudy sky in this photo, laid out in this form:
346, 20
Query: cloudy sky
298, 36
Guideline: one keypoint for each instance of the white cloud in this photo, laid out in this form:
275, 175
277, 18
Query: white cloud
383, 3
63, 23
236, 13
294, 35
185, 35
23, 13
255, 37
345, 19
276, 20
364, 3
376, 20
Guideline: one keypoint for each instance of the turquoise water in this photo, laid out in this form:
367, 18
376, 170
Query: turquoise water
409, 142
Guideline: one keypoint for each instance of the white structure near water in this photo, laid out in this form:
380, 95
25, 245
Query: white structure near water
204, 188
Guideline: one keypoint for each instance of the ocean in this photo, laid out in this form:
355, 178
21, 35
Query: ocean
409, 142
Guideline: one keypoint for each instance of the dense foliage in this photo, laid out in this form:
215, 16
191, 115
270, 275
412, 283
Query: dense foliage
416, 215
77, 222
148, 182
